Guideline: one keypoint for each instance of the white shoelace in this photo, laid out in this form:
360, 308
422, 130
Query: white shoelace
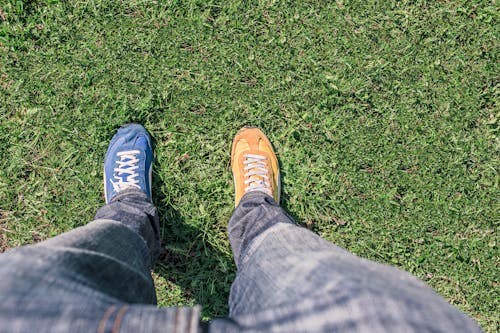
257, 175
126, 165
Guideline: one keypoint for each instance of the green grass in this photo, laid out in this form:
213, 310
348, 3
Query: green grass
383, 114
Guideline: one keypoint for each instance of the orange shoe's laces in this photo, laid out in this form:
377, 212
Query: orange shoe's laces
257, 174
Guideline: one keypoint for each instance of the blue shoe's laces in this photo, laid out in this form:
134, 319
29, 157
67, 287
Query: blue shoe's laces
125, 174
257, 175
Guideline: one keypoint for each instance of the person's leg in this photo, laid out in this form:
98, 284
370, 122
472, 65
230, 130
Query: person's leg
103, 260
96, 278
291, 280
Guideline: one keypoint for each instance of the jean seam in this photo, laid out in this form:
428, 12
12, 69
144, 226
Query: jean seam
119, 319
104, 320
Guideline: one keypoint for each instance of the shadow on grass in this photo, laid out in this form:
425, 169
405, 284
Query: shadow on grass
204, 273
285, 199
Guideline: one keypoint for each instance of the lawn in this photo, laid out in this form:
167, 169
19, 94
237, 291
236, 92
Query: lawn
383, 113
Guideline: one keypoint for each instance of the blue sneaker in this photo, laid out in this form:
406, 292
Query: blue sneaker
128, 162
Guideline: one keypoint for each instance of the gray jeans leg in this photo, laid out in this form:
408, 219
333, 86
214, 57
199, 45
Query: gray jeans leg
134, 210
291, 280
95, 278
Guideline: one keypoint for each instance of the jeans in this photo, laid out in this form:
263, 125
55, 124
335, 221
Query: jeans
96, 278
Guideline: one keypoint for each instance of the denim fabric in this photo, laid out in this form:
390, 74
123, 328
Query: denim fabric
94, 278
291, 280
97, 278
133, 209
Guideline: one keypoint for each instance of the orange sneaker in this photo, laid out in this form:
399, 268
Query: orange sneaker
254, 164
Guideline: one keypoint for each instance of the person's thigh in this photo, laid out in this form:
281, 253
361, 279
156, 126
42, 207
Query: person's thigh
74, 277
